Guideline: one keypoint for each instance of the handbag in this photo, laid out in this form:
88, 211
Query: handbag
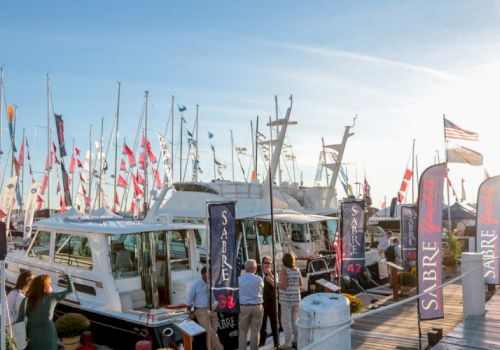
18, 329
19, 335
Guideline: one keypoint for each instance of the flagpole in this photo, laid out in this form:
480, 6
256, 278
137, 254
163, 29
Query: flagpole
180, 149
99, 190
447, 178
277, 133
90, 170
22, 175
172, 141
232, 153
116, 144
49, 160
413, 171
145, 203
197, 154
256, 162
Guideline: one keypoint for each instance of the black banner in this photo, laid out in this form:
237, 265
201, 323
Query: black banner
409, 233
223, 255
67, 193
60, 134
353, 237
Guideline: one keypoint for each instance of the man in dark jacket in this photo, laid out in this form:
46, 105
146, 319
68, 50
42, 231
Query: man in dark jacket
269, 302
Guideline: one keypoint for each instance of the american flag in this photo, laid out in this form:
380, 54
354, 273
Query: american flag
452, 131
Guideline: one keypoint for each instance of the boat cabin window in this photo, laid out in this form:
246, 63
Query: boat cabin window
298, 233
40, 248
179, 250
124, 255
73, 251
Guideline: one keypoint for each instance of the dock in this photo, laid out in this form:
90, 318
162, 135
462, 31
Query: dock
477, 332
397, 328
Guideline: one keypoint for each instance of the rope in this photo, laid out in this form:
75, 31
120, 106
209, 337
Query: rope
347, 324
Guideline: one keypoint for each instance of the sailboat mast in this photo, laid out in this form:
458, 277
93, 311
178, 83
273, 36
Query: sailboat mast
145, 204
22, 175
180, 149
413, 171
116, 145
49, 160
232, 153
73, 175
277, 133
172, 141
101, 147
256, 147
197, 154
90, 169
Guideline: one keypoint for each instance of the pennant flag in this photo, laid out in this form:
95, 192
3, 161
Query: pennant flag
62, 204
183, 120
77, 151
10, 118
87, 201
28, 151
453, 131
80, 165
151, 156
82, 179
122, 165
54, 148
72, 162
58, 187
190, 134
45, 182
60, 134
117, 199
132, 206
404, 185
16, 165
450, 185
182, 108
31, 171
83, 191
488, 226
460, 154
56, 160
137, 189
130, 155
429, 238
39, 201
122, 182
141, 160
210, 135
20, 160
140, 178
366, 189
156, 174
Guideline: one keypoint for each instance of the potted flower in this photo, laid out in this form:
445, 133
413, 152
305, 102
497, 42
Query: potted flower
407, 281
449, 264
69, 327
355, 304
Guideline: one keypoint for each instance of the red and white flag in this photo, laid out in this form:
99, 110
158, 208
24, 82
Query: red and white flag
20, 160
45, 182
404, 185
453, 131
157, 178
117, 199
72, 162
122, 182
137, 188
130, 155
123, 166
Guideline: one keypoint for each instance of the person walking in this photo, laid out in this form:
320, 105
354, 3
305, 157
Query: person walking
384, 242
251, 288
269, 303
17, 295
197, 297
39, 306
290, 282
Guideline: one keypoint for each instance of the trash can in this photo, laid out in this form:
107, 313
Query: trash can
321, 314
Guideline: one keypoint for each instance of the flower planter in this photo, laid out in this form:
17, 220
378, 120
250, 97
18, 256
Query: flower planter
71, 343
450, 270
406, 290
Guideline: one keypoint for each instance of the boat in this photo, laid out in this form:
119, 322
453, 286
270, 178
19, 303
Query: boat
125, 274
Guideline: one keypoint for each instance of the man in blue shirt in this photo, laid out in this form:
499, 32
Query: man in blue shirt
251, 311
197, 296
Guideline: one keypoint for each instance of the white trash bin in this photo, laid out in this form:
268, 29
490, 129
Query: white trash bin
321, 314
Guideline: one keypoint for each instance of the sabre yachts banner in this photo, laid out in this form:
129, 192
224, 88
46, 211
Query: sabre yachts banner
353, 237
429, 252
409, 233
223, 256
488, 226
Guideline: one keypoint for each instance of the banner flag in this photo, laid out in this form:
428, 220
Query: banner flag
8, 194
409, 232
223, 256
67, 192
352, 224
487, 228
60, 135
10, 119
31, 206
460, 154
429, 239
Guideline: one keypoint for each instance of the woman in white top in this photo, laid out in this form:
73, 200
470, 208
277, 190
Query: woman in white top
17, 295
290, 282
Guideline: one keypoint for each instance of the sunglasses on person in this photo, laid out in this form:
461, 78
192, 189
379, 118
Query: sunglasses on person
267, 263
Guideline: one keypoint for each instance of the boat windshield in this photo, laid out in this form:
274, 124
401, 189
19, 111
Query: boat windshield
124, 255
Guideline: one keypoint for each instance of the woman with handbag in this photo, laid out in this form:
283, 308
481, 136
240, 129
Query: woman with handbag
40, 305
17, 295
15, 299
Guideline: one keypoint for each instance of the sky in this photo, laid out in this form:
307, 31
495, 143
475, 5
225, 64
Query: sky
397, 65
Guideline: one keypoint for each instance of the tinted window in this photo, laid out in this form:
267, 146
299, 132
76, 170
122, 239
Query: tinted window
41, 246
73, 251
